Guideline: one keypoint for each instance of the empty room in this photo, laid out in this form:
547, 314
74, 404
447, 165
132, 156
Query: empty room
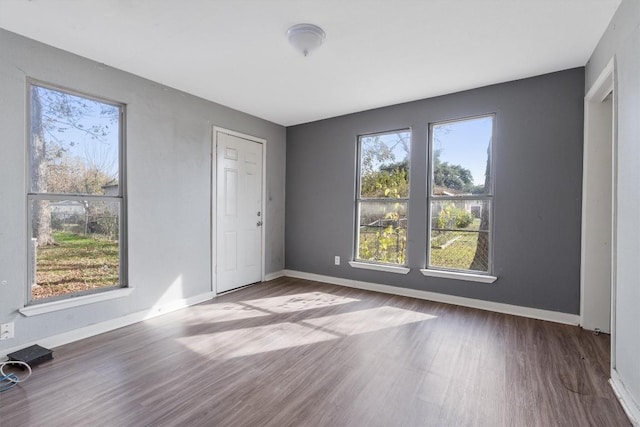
320, 213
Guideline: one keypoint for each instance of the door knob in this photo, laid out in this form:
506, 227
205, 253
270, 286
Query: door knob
259, 223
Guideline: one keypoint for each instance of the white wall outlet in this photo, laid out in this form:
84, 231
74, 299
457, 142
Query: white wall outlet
336, 260
6, 331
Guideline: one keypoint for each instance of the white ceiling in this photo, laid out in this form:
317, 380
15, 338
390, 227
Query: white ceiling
377, 52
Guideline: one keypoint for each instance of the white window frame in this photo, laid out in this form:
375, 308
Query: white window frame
45, 305
451, 273
367, 264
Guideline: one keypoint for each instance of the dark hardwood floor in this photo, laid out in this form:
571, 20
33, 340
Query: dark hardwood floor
297, 353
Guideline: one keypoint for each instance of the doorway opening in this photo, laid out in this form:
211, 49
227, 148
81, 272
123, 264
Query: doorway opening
597, 272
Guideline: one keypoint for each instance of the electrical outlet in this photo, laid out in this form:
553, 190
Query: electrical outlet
336, 260
6, 331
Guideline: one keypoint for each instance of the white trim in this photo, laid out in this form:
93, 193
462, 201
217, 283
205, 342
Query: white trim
64, 304
482, 278
112, 324
213, 212
629, 405
604, 83
214, 207
533, 313
601, 88
380, 267
614, 225
275, 275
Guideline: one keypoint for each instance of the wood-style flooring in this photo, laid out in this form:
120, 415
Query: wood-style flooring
298, 353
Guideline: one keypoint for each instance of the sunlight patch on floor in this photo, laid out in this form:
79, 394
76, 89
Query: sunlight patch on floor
279, 336
363, 321
298, 302
250, 341
223, 312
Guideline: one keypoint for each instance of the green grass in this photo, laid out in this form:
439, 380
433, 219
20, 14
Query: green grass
460, 248
383, 247
76, 263
458, 254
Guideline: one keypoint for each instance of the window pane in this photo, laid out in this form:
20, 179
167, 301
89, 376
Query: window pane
461, 157
383, 232
384, 165
85, 255
74, 144
460, 234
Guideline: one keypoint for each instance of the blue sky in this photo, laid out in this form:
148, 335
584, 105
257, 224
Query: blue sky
460, 143
81, 144
465, 143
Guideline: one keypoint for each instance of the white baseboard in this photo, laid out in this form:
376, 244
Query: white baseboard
629, 404
272, 276
534, 313
110, 325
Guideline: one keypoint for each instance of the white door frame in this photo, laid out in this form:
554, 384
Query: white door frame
214, 207
602, 87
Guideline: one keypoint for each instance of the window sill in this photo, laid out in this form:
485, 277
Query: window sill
379, 267
48, 307
471, 277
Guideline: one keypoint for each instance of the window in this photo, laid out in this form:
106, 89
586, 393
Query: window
382, 197
461, 202
75, 198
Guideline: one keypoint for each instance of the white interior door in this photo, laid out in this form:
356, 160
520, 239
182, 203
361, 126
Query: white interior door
239, 215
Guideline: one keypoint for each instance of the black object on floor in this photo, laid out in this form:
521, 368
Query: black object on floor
33, 355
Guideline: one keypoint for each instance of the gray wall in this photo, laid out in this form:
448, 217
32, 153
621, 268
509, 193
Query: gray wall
538, 172
168, 163
622, 41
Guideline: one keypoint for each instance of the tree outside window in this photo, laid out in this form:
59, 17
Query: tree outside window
383, 195
75, 197
461, 195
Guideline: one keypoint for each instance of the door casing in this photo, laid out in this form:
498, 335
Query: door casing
599, 199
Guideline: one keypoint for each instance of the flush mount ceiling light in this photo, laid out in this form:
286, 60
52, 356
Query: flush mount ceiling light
305, 37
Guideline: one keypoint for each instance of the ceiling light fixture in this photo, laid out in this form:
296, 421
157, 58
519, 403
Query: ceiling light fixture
305, 37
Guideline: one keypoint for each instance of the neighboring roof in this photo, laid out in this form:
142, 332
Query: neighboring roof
444, 191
